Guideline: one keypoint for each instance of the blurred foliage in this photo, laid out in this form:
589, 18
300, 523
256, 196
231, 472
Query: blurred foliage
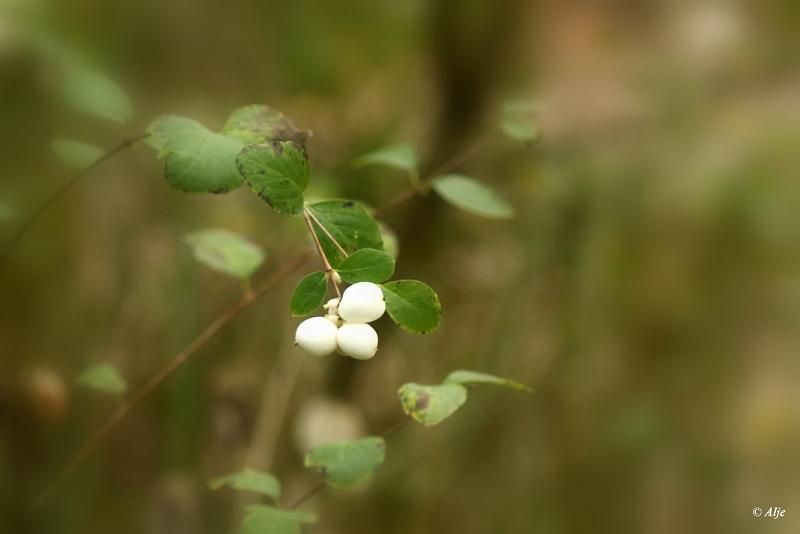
648, 287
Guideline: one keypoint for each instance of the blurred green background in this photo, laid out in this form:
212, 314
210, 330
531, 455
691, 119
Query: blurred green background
649, 287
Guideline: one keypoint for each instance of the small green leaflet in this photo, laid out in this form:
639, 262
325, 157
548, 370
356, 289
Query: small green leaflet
103, 377
349, 223
196, 159
309, 294
391, 243
519, 120
75, 154
264, 519
278, 173
430, 405
226, 252
465, 377
257, 124
366, 265
412, 305
347, 463
400, 156
250, 480
89, 91
472, 196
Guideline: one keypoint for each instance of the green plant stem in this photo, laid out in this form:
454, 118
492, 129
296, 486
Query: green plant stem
217, 325
328, 268
326, 231
28, 224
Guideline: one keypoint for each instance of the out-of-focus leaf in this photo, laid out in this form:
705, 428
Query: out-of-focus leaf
347, 463
366, 265
103, 377
472, 196
430, 405
257, 124
226, 252
309, 294
91, 92
250, 480
278, 173
391, 244
400, 156
519, 120
464, 377
413, 305
264, 519
197, 160
349, 223
75, 154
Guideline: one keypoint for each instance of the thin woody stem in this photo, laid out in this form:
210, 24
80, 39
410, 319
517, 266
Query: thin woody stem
328, 268
215, 327
23, 230
326, 231
140, 394
423, 185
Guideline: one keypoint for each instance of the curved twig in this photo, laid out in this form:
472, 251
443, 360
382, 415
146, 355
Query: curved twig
26, 226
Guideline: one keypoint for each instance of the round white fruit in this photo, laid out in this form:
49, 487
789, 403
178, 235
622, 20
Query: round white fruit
362, 303
357, 340
316, 336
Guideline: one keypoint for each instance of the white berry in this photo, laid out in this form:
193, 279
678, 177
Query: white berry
362, 303
316, 336
357, 340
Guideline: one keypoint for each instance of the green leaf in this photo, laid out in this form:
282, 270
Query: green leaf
472, 196
250, 480
366, 265
103, 377
347, 463
400, 156
391, 243
278, 173
89, 91
519, 120
309, 294
264, 519
349, 223
413, 305
257, 124
226, 252
197, 160
464, 377
430, 405
75, 154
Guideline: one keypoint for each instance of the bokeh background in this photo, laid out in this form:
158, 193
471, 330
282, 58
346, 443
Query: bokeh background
649, 287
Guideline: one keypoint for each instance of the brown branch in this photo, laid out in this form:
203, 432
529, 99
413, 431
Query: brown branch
424, 184
23, 230
221, 322
145, 389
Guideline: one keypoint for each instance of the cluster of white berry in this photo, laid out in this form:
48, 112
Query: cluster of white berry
344, 328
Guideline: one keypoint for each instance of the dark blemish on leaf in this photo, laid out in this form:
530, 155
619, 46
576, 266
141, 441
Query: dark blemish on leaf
422, 402
348, 204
